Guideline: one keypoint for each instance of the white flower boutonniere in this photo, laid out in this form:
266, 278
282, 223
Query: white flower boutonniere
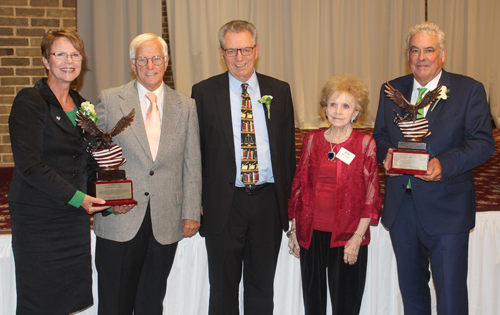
266, 99
444, 95
88, 110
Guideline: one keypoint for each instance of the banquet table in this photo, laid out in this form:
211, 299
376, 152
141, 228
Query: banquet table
188, 286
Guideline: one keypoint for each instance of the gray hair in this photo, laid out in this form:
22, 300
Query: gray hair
138, 40
428, 28
237, 26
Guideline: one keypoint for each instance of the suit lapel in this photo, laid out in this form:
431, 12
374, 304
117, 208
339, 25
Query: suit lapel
223, 105
267, 89
129, 99
57, 113
434, 110
172, 110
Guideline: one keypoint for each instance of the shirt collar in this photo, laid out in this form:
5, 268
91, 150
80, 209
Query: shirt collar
235, 84
142, 91
429, 86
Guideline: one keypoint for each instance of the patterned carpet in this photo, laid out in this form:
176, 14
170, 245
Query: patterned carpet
485, 177
5, 177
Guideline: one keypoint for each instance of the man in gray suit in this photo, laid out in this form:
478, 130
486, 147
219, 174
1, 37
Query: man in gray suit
136, 246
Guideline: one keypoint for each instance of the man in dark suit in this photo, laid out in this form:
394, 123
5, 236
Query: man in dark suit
245, 189
429, 217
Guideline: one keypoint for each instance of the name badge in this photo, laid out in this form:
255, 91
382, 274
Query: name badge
345, 156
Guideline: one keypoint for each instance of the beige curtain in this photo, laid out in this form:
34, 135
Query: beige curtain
303, 42
108, 27
472, 30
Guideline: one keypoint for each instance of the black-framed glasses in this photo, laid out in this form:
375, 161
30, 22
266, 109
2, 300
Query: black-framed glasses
245, 51
142, 61
63, 56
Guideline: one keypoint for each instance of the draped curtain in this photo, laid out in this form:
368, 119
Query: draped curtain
307, 42
302, 42
473, 42
107, 28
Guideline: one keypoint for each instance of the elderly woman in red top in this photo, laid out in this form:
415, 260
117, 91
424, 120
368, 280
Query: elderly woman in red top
335, 197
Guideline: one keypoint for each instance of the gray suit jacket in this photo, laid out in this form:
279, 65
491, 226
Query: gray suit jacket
172, 183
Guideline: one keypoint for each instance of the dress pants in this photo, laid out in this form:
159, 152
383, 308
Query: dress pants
251, 239
448, 255
132, 276
346, 282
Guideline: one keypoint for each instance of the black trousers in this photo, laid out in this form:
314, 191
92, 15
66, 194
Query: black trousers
346, 282
250, 241
132, 276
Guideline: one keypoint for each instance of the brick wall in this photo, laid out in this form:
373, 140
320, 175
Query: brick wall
22, 25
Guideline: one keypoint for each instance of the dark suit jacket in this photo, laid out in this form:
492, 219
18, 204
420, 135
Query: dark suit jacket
217, 146
50, 153
461, 139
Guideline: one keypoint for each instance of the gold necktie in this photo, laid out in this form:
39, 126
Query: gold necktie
249, 164
153, 125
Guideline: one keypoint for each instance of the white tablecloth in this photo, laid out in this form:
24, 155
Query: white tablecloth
188, 287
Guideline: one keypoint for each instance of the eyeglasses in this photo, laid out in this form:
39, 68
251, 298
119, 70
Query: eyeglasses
232, 52
142, 61
63, 56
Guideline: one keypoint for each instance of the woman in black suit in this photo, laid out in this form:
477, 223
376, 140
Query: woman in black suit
48, 205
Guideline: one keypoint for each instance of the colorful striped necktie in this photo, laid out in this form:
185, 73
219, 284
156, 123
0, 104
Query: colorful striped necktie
249, 163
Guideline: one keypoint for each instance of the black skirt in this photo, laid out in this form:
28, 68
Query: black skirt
52, 258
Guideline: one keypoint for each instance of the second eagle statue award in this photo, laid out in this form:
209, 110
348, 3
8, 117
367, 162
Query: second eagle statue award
411, 156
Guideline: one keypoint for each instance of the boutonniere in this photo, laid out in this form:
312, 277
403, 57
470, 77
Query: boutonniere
266, 99
88, 110
444, 95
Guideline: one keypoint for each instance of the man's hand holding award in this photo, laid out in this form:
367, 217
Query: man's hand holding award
411, 156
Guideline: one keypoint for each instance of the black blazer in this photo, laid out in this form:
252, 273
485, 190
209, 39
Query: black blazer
217, 146
51, 160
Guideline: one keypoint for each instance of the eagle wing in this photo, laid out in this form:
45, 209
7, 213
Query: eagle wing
397, 97
430, 97
88, 125
123, 123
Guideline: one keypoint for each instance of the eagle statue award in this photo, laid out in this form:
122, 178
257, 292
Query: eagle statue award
411, 156
109, 182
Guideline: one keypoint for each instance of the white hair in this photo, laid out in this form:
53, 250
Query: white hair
138, 40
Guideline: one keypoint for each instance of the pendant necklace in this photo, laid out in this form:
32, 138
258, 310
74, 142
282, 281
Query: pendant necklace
331, 154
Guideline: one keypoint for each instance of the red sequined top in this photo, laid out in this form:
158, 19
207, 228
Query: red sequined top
332, 195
